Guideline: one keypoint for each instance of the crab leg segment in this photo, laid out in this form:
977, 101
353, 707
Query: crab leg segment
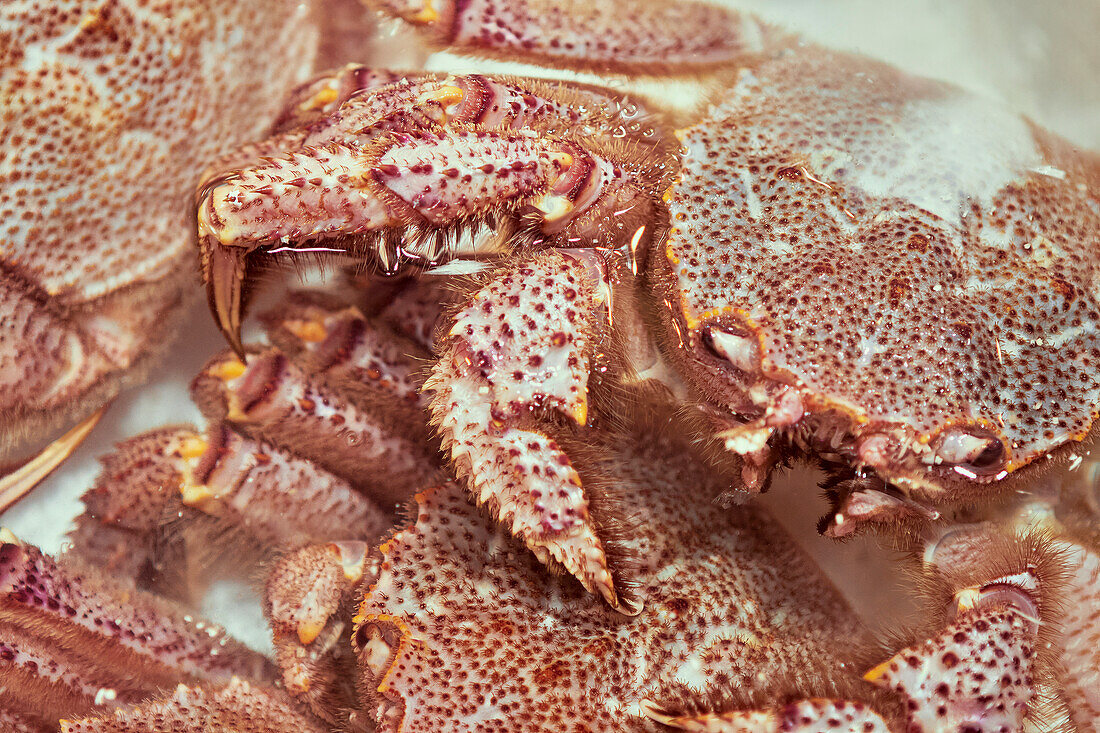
983, 669
340, 343
272, 399
309, 602
324, 94
73, 640
608, 33
274, 496
358, 104
803, 716
426, 180
44, 361
524, 344
977, 672
238, 706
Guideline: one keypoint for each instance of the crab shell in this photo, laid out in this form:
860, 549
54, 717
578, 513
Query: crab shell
891, 272
110, 109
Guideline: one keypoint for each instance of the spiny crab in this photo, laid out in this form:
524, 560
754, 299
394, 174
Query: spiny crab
647, 319
820, 266
450, 624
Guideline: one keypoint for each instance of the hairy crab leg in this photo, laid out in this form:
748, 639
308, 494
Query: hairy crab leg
367, 358
309, 600
45, 362
175, 477
471, 149
273, 399
999, 614
659, 36
74, 639
237, 706
309, 103
171, 490
1069, 519
357, 104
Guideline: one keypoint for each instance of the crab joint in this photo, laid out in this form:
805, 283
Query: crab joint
554, 207
311, 331
746, 439
352, 556
377, 649
426, 14
447, 96
558, 203
324, 96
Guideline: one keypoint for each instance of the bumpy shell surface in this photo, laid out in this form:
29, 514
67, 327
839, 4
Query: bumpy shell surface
904, 254
111, 108
464, 630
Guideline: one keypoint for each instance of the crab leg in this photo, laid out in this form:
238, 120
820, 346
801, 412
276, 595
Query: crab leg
367, 358
625, 36
272, 399
421, 158
74, 640
523, 345
980, 672
309, 600
428, 180
45, 362
238, 706
249, 484
275, 498
15, 485
357, 104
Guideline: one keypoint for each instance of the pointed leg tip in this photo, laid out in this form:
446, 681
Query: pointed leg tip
18, 483
224, 277
233, 338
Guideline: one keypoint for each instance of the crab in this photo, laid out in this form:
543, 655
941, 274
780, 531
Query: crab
450, 624
384, 623
111, 108
592, 440
834, 261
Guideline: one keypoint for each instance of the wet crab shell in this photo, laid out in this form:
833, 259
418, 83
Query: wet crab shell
110, 108
891, 269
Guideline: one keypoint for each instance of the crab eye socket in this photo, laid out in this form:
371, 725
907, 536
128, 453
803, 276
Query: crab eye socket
999, 593
970, 452
739, 349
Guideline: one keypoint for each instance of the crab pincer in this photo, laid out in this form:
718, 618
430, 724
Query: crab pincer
355, 189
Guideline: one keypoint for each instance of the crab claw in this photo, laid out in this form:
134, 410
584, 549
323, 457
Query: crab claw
224, 271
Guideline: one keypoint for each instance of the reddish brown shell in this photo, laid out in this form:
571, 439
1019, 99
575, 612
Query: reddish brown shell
464, 630
110, 109
906, 255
